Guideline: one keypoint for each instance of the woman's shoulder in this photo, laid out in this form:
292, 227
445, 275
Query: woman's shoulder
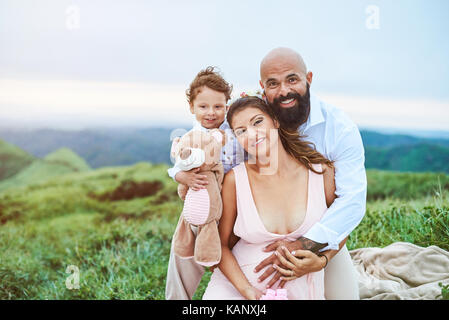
233, 174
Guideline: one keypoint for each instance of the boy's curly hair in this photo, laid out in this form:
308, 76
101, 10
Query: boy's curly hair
210, 78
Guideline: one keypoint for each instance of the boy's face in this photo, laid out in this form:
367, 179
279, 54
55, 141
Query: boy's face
209, 107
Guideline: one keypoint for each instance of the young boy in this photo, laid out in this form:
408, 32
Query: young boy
208, 96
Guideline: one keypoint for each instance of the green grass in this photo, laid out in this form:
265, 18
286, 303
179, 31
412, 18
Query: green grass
121, 247
12, 160
405, 185
55, 164
69, 158
444, 291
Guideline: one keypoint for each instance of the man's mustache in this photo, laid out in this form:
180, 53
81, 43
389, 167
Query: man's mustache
290, 95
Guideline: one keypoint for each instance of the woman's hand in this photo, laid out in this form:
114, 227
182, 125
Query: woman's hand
192, 179
298, 263
252, 293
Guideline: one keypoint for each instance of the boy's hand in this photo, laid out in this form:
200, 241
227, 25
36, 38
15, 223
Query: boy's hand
192, 179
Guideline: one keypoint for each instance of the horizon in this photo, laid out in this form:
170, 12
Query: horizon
73, 65
420, 133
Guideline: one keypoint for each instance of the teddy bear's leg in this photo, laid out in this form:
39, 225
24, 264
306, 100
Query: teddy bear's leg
184, 240
208, 245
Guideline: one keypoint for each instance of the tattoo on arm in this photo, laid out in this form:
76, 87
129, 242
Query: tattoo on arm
311, 245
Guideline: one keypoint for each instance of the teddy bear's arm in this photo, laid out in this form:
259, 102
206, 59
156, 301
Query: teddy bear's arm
219, 173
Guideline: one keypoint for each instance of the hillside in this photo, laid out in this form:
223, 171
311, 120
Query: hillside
100, 148
414, 158
115, 224
115, 147
382, 140
60, 162
12, 160
67, 157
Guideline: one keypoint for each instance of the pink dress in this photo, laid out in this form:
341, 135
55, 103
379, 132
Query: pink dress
254, 237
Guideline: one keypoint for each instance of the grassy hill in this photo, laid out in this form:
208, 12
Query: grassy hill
60, 162
67, 157
12, 160
100, 148
415, 158
115, 224
405, 186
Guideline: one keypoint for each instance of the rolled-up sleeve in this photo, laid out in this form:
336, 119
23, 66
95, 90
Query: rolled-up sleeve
348, 209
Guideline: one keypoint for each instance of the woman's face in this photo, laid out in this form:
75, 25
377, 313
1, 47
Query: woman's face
256, 131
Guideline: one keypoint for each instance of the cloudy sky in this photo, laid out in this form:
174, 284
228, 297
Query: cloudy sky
88, 63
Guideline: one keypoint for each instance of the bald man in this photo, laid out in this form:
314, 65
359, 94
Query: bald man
286, 83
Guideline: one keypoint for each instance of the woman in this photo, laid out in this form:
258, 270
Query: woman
263, 203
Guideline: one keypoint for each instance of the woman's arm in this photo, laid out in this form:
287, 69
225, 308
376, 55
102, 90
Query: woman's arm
228, 264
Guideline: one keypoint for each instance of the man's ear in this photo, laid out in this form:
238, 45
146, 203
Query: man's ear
261, 84
309, 77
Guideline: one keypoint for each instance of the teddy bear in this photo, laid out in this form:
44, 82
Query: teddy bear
202, 208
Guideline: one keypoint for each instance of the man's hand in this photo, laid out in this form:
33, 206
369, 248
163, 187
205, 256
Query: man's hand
300, 244
299, 263
192, 179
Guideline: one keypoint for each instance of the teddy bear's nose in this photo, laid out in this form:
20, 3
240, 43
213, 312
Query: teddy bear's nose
185, 153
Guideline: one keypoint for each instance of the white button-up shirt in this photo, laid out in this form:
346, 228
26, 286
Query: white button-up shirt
337, 138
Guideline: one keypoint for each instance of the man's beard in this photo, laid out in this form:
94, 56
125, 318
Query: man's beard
291, 118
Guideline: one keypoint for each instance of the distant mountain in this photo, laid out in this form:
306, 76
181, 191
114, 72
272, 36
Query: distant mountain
123, 147
99, 148
12, 160
382, 140
401, 152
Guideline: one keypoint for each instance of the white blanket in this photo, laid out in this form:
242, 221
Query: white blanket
401, 271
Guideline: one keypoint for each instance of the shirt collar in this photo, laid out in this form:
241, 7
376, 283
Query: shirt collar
198, 126
316, 114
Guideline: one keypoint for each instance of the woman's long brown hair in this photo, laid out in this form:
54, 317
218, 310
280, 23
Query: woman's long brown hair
295, 145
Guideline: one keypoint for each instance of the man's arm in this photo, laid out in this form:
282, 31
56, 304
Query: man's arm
349, 207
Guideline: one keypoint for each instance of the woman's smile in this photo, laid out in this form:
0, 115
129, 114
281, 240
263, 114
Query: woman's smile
259, 141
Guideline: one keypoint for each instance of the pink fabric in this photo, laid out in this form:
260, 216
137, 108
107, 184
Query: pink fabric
196, 206
278, 294
254, 237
